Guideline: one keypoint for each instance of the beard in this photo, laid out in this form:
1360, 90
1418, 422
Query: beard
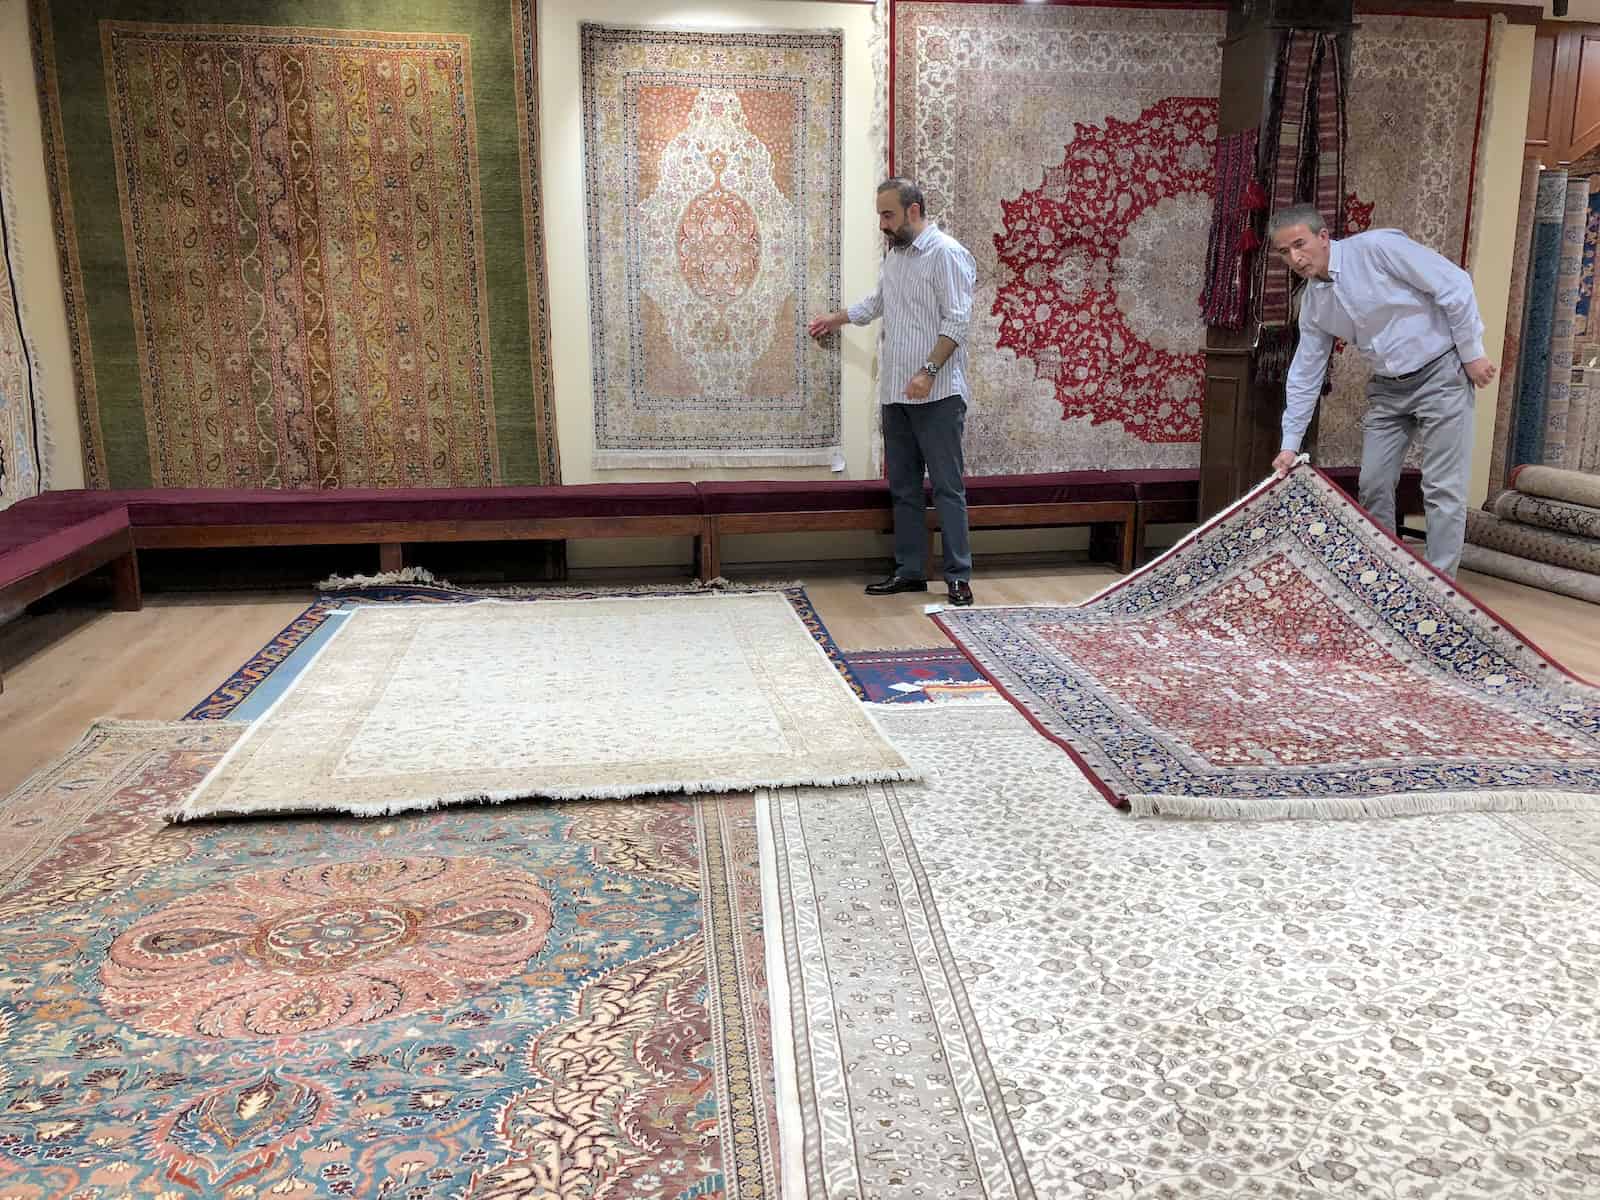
900, 237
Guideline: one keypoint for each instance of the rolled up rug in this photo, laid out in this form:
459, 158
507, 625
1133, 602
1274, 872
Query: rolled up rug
1528, 541
1556, 483
1580, 520
1578, 584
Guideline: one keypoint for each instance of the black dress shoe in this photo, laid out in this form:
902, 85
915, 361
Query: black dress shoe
960, 592
896, 583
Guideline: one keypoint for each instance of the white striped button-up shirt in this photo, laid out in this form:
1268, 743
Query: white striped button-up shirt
1399, 304
924, 290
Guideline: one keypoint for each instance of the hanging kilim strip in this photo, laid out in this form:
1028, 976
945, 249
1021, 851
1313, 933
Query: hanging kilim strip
1225, 300
1308, 169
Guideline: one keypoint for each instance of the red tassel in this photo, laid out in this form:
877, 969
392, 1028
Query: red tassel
1248, 240
1255, 196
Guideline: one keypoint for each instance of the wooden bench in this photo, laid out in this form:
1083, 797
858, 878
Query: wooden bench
1093, 498
47, 542
191, 518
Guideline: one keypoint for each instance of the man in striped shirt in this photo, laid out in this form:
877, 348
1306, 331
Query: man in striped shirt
924, 296
1412, 316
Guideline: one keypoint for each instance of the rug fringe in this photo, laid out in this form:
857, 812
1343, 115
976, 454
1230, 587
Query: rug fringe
421, 576
1401, 804
184, 813
334, 583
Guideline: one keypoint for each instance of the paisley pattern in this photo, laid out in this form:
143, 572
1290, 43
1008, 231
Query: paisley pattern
312, 949
712, 164
1291, 659
299, 291
473, 1003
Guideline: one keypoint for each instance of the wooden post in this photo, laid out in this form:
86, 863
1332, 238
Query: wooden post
1242, 416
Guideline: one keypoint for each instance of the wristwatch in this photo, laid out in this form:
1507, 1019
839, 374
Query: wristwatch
931, 368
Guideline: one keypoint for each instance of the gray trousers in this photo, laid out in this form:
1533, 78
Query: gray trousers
918, 437
1436, 402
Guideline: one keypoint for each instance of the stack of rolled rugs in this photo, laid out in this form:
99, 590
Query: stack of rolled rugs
1544, 532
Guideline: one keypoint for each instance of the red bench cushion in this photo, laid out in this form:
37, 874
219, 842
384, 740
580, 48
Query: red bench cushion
1055, 487
31, 541
206, 506
793, 495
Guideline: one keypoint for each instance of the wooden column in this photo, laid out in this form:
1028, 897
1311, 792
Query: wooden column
1242, 416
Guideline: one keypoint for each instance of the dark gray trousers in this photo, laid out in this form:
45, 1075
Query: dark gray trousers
918, 438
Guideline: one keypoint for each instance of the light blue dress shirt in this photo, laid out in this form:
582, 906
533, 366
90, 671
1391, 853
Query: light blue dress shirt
1399, 304
924, 290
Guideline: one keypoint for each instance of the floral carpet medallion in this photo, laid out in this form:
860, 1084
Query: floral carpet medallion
529, 1001
1069, 147
1024, 993
1090, 292
1291, 659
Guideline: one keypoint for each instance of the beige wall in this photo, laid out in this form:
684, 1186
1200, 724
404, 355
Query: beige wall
1499, 172
39, 276
1500, 176
566, 242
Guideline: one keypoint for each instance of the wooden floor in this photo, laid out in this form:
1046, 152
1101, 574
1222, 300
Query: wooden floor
64, 669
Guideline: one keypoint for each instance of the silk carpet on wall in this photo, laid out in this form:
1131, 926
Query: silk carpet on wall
712, 166
528, 1000
1292, 659
1025, 994
22, 440
299, 256
412, 706
1070, 149
1417, 107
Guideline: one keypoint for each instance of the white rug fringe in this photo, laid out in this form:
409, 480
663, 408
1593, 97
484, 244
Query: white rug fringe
1397, 804
183, 812
334, 583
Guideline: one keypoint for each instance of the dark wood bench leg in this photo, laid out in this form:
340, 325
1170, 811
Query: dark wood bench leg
1128, 551
708, 550
391, 556
1104, 539
126, 593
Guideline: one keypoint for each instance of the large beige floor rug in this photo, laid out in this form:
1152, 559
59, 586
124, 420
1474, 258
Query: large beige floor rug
413, 706
999, 986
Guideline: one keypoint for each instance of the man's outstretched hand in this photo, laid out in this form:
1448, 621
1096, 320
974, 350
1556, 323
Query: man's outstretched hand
1284, 461
1481, 371
821, 327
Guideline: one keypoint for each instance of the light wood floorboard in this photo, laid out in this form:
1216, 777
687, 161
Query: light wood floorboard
66, 668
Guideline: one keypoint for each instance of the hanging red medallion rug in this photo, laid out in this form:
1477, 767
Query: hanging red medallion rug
1291, 659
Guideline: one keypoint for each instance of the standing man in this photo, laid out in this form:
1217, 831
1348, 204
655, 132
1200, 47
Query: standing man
1412, 315
924, 296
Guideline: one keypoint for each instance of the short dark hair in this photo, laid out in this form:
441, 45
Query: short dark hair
1296, 214
907, 190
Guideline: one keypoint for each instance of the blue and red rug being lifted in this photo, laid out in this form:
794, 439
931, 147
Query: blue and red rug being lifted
1292, 659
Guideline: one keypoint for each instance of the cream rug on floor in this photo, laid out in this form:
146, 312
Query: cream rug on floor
410, 707
1027, 995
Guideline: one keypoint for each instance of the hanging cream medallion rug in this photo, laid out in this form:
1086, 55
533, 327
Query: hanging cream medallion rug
1291, 659
409, 707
